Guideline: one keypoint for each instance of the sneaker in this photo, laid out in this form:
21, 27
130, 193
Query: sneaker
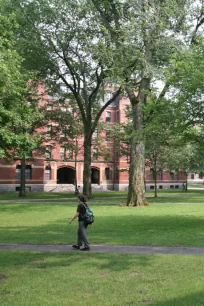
85, 249
75, 246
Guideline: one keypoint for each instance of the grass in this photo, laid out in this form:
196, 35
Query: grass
163, 196
190, 197
75, 278
56, 195
36, 279
196, 185
165, 222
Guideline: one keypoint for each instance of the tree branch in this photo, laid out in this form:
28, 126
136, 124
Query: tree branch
99, 81
77, 97
200, 22
115, 96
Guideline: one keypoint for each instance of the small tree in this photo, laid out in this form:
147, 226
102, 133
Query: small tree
17, 116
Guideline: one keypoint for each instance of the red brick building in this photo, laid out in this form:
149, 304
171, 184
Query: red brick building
55, 170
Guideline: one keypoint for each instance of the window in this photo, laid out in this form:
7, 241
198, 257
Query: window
49, 131
108, 116
29, 154
160, 175
107, 173
62, 153
116, 173
95, 154
48, 173
192, 176
95, 133
108, 154
176, 175
70, 153
28, 172
48, 153
107, 96
29, 131
63, 133
18, 172
171, 175
152, 176
49, 107
70, 109
108, 135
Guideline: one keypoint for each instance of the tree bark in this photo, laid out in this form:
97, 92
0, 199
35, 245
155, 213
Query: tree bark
87, 164
136, 191
22, 192
155, 175
75, 164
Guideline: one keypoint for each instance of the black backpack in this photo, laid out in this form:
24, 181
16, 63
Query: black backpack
88, 217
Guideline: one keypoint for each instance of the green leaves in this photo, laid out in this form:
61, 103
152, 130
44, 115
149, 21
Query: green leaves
16, 115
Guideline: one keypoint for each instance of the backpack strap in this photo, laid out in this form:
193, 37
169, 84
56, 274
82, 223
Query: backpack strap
85, 208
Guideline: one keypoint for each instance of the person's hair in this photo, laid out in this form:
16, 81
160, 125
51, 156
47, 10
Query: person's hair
82, 198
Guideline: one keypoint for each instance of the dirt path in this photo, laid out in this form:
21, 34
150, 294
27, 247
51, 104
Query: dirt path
106, 249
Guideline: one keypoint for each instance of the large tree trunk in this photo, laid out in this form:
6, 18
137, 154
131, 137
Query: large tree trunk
155, 175
87, 166
136, 191
155, 184
75, 164
22, 192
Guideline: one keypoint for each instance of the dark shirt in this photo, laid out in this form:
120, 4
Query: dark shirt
81, 210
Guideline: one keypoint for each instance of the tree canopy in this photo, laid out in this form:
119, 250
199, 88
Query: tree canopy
76, 47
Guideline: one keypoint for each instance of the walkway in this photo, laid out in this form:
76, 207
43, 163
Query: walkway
106, 249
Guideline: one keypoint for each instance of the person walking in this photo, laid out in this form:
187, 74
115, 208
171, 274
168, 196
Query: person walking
82, 237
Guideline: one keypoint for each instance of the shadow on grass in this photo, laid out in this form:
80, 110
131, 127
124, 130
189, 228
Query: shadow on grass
94, 266
118, 230
178, 197
59, 195
45, 260
195, 299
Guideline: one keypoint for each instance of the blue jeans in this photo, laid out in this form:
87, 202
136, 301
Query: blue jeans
82, 235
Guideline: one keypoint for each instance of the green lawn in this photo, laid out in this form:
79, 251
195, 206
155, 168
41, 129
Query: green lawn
160, 223
57, 195
164, 196
196, 185
72, 279
75, 278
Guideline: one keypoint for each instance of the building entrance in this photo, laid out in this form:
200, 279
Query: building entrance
65, 175
95, 176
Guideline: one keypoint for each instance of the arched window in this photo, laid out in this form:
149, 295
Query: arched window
192, 176
48, 173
